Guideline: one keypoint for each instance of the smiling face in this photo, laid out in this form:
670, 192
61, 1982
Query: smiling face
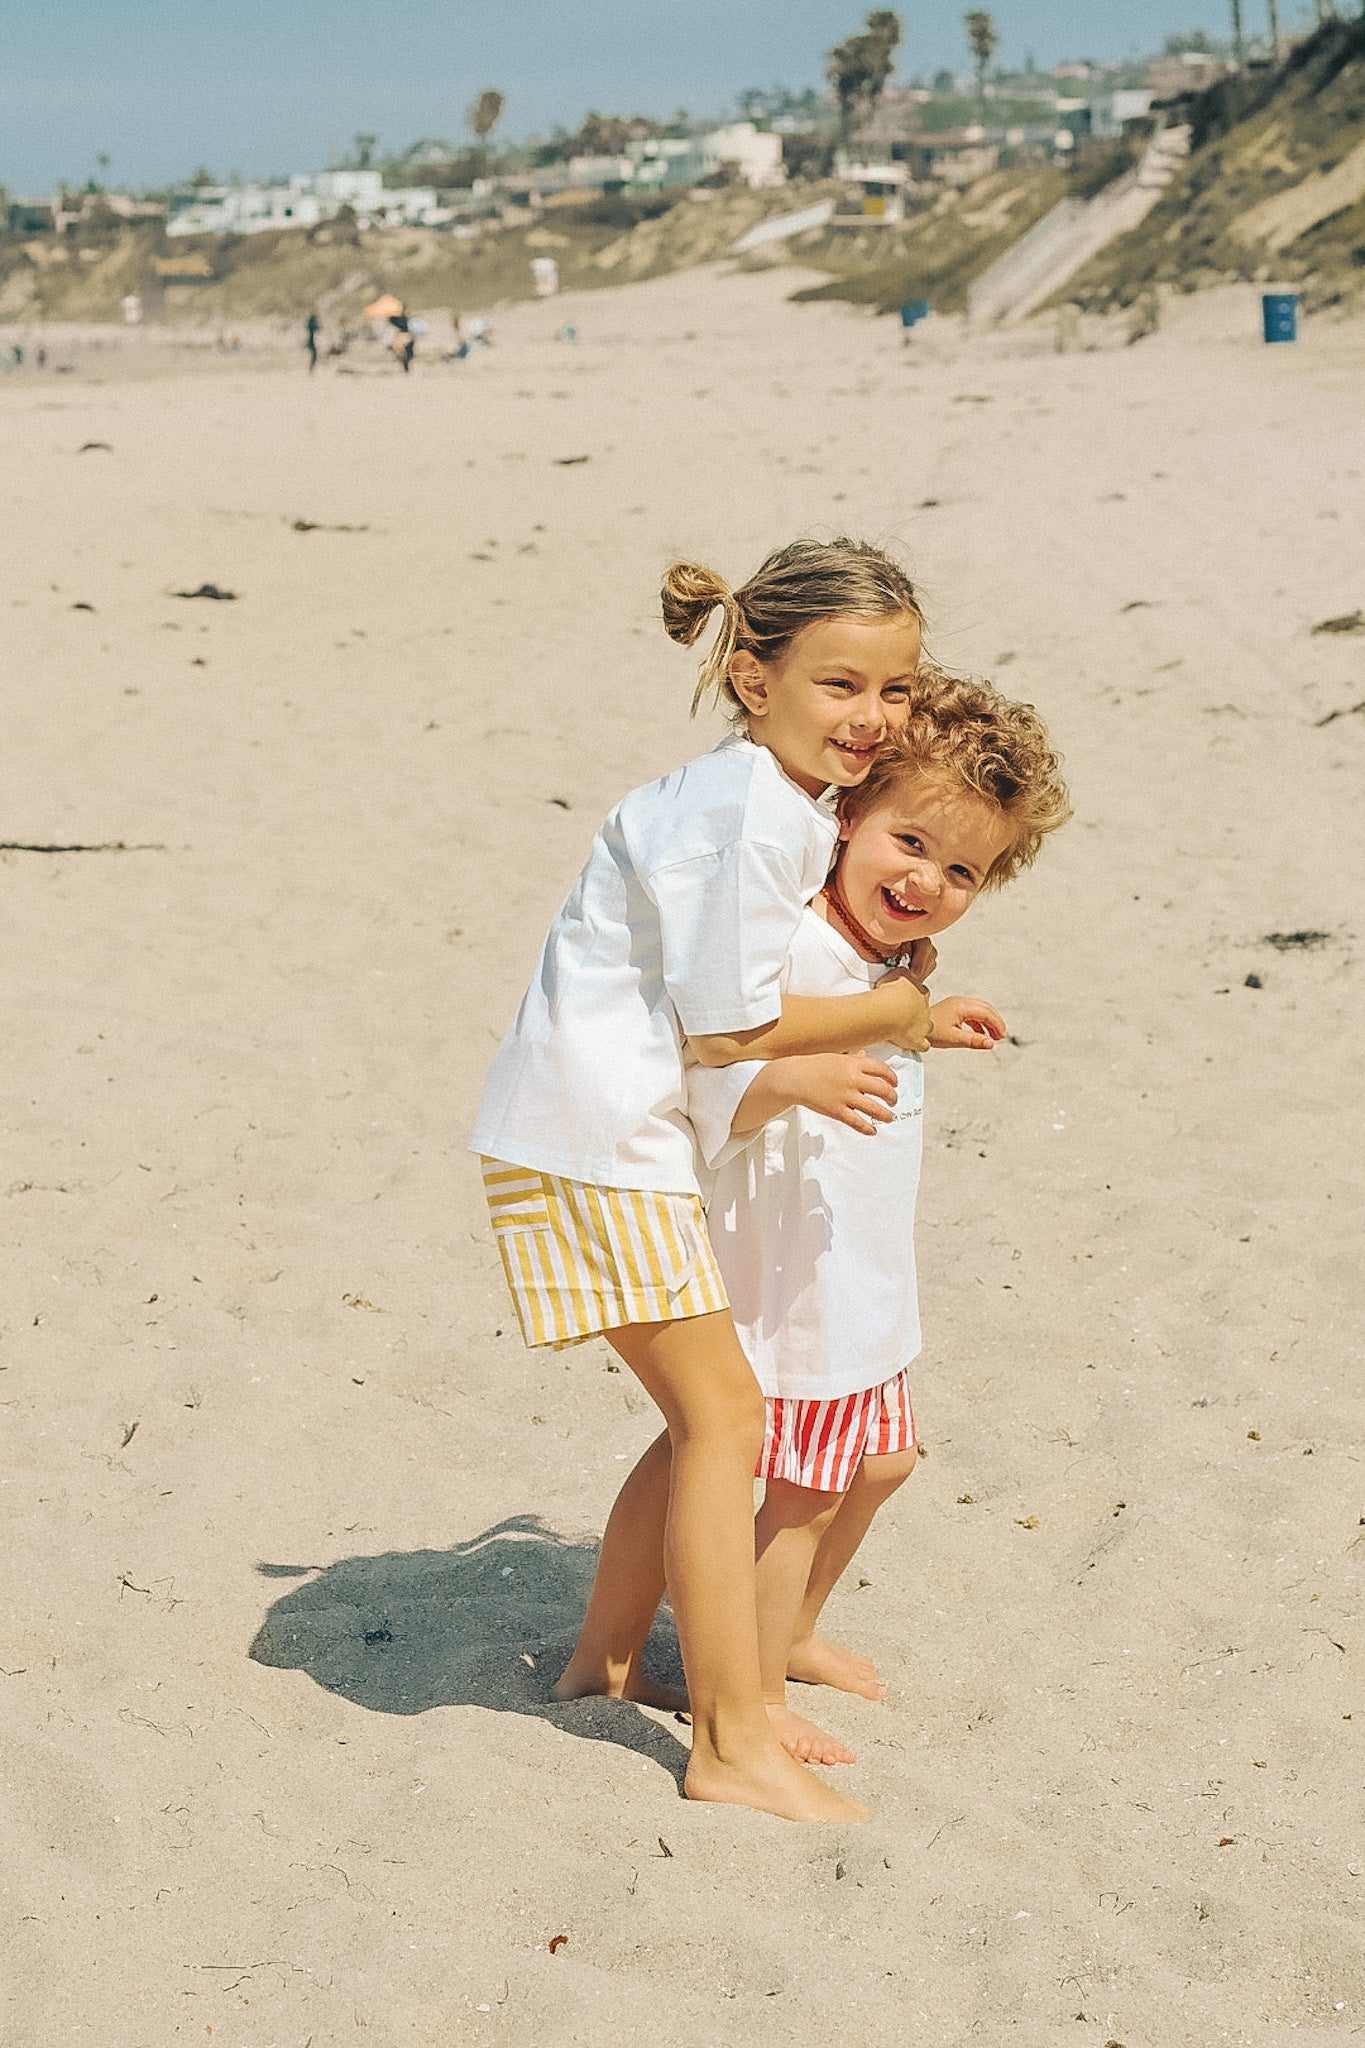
917, 857
825, 705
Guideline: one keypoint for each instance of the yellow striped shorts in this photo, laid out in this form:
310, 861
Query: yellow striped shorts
582, 1259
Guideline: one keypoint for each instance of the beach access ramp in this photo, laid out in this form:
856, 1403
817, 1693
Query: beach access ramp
1054, 249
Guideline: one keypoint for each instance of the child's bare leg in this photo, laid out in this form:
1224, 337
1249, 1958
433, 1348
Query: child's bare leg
812, 1660
787, 1536
697, 1373
626, 1591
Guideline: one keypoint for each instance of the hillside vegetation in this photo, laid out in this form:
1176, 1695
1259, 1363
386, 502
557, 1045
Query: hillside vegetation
937, 252
1274, 188
336, 269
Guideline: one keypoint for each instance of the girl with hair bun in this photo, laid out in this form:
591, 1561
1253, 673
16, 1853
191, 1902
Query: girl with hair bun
669, 948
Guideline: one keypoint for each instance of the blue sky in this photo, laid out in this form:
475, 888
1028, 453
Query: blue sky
269, 86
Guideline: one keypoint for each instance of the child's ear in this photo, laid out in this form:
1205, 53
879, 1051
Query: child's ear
747, 680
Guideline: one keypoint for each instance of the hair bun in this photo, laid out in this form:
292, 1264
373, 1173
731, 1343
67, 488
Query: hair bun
689, 596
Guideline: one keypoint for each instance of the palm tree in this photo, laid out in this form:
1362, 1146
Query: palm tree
984, 39
485, 114
859, 67
1238, 46
1274, 9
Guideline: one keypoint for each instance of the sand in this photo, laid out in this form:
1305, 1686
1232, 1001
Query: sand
298, 1531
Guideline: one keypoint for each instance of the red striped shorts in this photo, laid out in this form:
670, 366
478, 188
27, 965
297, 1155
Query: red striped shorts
820, 1444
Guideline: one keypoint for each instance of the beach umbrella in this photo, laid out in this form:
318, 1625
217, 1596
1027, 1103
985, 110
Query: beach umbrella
383, 309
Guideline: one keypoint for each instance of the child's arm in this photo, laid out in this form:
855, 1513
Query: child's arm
850, 1087
965, 1022
895, 1012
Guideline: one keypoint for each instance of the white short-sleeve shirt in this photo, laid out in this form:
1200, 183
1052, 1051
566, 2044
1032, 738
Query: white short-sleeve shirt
679, 924
813, 1223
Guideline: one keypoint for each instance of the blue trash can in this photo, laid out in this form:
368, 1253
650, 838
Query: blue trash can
914, 312
1280, 316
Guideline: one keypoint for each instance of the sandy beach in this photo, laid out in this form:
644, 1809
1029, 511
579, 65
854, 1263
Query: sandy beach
300, 1532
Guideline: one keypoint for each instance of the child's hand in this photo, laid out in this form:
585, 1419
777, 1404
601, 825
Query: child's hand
848, 1086
965, 1022
903, 1011
921, 961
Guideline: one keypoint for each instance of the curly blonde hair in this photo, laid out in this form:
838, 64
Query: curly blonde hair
966, 735
807, 581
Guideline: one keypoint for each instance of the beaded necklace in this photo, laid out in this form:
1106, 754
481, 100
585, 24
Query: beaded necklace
834, 896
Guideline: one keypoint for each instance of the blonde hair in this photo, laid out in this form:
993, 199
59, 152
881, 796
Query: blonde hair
965, 734
801, 584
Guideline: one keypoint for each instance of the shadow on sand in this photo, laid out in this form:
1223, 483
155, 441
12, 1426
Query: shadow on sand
487, 1624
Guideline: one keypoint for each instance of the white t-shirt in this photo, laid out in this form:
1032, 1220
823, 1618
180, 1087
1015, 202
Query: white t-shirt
679, 924
813, 1223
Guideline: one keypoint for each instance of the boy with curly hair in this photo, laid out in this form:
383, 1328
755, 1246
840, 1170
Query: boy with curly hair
816, 1159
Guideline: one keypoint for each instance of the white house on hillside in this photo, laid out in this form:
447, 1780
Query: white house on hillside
667, 160
685, 159
302, 203
1109, 112
240, 210
755, 153
362, 190
610, 172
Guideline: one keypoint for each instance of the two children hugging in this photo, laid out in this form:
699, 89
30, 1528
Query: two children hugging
700, 1137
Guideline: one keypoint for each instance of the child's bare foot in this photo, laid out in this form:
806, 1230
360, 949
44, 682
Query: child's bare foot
771, 1782
633, 1685
818, 1663
803, 1740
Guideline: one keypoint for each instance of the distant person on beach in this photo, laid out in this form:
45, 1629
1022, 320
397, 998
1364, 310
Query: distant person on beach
404, 341
678, 928
312, 329
817, 1158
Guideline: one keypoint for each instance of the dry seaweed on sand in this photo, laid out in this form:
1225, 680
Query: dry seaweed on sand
96, 846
